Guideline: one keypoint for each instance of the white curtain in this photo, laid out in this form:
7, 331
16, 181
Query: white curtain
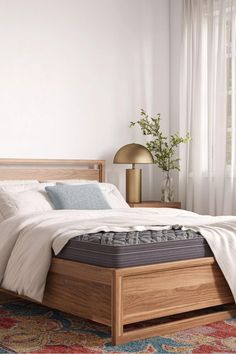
207, 106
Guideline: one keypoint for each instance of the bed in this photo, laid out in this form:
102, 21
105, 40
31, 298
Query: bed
136, 301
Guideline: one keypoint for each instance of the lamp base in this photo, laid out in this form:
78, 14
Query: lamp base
133, 185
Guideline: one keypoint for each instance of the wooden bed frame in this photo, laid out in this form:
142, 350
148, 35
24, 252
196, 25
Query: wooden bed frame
172, 292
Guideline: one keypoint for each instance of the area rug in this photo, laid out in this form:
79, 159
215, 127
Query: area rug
29, 328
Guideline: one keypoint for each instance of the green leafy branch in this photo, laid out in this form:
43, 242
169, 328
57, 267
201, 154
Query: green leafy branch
162, 148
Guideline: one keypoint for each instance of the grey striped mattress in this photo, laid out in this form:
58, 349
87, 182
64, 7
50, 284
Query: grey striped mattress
127, 249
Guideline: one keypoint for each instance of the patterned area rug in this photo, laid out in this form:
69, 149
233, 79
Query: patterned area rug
29, 328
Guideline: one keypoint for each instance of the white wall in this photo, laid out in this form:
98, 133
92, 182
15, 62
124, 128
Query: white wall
73, 73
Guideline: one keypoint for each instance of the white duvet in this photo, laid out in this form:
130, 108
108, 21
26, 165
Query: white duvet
26, 241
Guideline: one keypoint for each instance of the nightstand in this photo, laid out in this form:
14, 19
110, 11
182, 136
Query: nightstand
156, 204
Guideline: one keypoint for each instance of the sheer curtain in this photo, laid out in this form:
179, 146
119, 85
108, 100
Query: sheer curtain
207, 106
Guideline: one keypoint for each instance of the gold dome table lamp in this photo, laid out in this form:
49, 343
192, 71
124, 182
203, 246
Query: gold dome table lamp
133, 154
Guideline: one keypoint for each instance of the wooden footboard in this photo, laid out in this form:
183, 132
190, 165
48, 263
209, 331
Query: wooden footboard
157, 291
163, 298
120, 297
163, 290
80, 289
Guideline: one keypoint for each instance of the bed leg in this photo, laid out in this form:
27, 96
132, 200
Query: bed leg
116, 309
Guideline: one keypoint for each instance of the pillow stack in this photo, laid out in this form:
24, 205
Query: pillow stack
19, 197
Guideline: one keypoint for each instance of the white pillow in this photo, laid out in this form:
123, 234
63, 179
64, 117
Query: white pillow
15, 186
111, 193
18, 181
113, 196
18, 187
27, 201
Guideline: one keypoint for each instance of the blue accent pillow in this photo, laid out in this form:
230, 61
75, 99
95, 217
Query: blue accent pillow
82, 197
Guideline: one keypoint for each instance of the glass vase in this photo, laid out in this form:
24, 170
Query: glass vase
167, 189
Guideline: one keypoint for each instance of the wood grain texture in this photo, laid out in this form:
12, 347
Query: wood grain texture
79, 289
5, 297
155, 204
81, 270
174, 326
198, 262
165, 293
52, 169
117, 308
102, 294
117, 297
38, 162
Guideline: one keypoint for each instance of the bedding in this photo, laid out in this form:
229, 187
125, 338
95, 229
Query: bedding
113, 196
18, 181
26, 241
18, 187
83, 197
111, 193
23, 202
15, 186
25, 198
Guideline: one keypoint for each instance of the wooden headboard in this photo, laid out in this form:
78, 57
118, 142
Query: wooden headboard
48, 169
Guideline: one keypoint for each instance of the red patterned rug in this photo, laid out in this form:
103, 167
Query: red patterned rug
29, 328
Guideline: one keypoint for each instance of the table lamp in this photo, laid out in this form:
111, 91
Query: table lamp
133, 154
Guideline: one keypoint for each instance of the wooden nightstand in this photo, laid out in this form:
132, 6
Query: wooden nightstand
156, 204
